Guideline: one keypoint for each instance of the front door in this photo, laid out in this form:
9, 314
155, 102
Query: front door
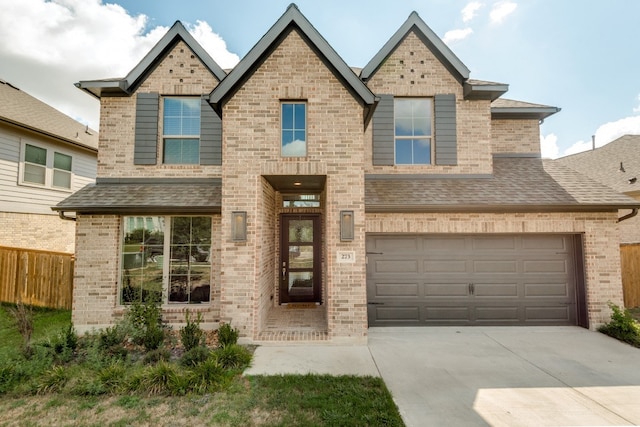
300, 272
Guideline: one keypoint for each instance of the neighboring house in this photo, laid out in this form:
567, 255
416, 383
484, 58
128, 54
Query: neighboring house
44, 157
301, 201
616, 165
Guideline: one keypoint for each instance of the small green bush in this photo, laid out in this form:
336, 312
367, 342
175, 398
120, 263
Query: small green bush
111, 336
158, 355
622, 326
227, 335
195, 356
53, 380
191, 335
160, 379
207, 376
144, 321
233, 356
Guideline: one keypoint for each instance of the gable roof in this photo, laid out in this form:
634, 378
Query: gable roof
511, 109
430, 39
518, 184
616, 164
127, 85
20, 109
292, 18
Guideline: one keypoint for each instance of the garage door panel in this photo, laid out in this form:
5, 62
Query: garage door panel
545, 242
550, 290
395, 266
546, 266
445, 266
495, 290
448, 314
443, 243
397, 314
397, 289
497, 313
446, 290
495, 267
471, 279
551, 314
494, 243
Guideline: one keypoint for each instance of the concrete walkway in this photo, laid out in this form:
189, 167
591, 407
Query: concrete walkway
533, 376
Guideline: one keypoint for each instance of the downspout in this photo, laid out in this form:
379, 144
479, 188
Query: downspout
70, 218
633, 213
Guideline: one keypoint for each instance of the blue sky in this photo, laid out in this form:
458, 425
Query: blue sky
581, 56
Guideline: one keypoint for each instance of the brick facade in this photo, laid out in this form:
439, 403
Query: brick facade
515, 136
34, 231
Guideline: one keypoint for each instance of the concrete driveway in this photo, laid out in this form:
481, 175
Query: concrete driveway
515, 376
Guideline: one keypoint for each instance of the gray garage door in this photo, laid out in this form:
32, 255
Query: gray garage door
471, 280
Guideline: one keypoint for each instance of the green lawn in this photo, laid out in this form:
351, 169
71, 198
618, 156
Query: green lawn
65, 391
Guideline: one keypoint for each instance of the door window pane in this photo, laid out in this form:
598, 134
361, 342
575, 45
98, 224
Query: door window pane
301, 256
301, 230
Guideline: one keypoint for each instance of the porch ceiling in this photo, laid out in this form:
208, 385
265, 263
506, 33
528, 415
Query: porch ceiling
297, 183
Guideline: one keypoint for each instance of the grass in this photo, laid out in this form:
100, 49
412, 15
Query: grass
98, 391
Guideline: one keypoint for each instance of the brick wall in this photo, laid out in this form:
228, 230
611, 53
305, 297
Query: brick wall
180, 73
33, 231
413, 70
251, 148
515, 136
600, 231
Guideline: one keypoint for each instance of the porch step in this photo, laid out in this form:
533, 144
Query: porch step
293, 335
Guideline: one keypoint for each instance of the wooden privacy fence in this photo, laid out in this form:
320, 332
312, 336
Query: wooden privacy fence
34, 277
630, 263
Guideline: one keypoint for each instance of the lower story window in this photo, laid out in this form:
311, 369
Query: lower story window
167, 259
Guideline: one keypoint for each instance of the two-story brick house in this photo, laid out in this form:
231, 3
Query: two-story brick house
300, 200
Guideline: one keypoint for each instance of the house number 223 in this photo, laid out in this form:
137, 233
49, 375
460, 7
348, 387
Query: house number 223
346, 257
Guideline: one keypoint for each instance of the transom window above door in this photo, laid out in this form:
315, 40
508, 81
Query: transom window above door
181, 130
413, 124
294, 129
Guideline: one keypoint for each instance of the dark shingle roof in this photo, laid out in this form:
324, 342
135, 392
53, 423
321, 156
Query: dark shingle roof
149, 196
603, 164
21, 109
518, 184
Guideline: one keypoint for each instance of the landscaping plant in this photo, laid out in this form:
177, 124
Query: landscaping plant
622, 326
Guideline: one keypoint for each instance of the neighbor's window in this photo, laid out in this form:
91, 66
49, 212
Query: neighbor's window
413, 131
170, 254
181, 130
48, 168
294, 129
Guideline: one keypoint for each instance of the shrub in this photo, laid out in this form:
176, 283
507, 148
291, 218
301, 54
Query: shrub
207, 376
145, 323
159, 379
23, 319
111, 337
233, 356
622, 326
53, 380
227, 335
113, 376
158, 355
191, 335
195, 356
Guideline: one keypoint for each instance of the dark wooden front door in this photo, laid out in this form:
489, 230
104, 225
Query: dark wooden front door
300, 243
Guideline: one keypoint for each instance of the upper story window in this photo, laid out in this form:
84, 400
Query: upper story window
181, 130
413, 131
46, 167
294, 129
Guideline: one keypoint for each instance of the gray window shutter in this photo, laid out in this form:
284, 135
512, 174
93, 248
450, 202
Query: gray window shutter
146, 133
445, 131
383, 132
210, 135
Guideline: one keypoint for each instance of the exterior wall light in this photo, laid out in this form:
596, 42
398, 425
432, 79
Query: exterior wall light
239, 226
346, 226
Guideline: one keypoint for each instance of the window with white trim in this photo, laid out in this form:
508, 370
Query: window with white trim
413, 123
181, 130
166, 259
46, 167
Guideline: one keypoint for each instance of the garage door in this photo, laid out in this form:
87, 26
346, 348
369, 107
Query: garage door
471, 279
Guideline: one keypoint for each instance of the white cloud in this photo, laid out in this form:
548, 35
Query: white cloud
295, 148
470, 10
637, 109
606, 133
55, 43
455, 35
501, 10
549, 146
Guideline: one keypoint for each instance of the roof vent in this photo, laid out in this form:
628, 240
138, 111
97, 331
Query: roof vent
622, 167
